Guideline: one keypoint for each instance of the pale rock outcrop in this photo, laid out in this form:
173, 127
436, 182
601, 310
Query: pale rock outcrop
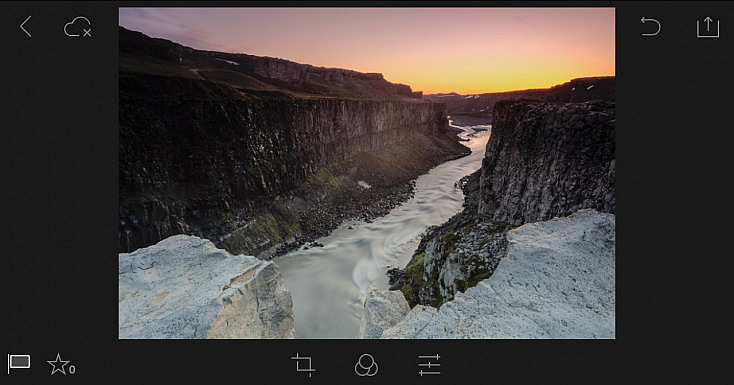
185, 287
382, 309
556, 281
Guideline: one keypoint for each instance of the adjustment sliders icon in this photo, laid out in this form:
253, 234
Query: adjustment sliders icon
430, 367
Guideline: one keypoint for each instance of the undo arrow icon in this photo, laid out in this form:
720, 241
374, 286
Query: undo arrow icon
643, 20
23, 23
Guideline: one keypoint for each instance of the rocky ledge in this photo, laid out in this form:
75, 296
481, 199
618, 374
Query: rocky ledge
382, 310
184, 287
557, 280
543, 160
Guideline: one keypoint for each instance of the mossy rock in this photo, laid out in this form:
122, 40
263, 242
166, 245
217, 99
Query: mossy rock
417, 259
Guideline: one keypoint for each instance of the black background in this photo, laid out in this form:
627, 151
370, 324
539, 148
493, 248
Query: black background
674, 171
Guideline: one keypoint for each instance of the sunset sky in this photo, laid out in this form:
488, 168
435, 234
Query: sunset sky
464, 50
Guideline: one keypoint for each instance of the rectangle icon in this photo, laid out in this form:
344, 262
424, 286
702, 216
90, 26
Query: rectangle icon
19, 361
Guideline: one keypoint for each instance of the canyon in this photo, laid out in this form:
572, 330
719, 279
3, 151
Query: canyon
543, 160
261, 155
230, 160
532, 255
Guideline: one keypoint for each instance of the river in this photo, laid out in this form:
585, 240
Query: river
328, 284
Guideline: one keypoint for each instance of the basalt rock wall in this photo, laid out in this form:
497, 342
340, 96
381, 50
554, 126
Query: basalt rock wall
193, 150
543, 160
546, 160
289, 71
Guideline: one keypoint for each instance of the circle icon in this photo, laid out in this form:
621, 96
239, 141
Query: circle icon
365, 366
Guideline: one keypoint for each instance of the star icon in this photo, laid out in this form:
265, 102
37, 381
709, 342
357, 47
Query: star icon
58, 365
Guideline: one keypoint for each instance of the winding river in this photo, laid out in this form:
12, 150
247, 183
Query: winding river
328, 284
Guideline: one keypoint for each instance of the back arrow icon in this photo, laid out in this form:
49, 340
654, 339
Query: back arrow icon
643, 20
21, 26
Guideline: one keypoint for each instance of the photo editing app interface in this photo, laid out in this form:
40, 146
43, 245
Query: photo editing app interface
282, 179
336, 180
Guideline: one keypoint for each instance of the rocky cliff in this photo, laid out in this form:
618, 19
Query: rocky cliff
547, 159
256, 153
141, 53
353, 81
557, 280
543, 159
184, 287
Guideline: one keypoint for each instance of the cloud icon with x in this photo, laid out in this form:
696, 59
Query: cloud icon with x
75, 28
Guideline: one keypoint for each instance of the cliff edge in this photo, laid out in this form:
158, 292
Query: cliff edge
184, 287
556, 281
261, 154
543, 160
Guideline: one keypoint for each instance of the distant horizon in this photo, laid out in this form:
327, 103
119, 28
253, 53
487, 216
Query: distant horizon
534, 50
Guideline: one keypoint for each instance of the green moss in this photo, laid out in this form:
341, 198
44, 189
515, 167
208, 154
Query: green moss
418, 282
273, 227
414, 276
417, 259
291, 226
269, 226
327, 176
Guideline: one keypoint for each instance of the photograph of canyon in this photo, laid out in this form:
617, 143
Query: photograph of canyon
392, 173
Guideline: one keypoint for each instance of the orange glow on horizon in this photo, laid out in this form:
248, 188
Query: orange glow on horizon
434, 50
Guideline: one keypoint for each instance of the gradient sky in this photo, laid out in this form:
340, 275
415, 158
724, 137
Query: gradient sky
464, 50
